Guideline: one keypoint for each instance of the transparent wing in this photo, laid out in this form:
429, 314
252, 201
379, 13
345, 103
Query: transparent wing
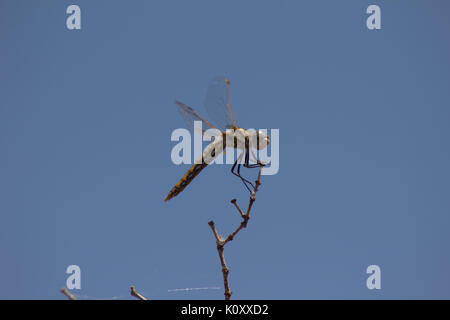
190, 115
218, 103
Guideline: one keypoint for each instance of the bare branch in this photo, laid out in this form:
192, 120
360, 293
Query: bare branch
136, 294
67, 293
237, 207
220, 242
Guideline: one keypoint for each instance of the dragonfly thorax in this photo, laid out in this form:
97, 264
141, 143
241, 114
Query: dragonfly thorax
241, 139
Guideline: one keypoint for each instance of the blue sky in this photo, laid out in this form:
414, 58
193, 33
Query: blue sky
85, 123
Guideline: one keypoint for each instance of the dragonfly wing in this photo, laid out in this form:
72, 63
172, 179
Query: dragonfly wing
190, 115
218, 103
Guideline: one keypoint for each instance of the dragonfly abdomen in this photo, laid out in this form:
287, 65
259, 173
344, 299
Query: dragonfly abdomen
211, 152
186, 179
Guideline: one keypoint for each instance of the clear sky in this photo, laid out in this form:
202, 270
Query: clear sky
85, 123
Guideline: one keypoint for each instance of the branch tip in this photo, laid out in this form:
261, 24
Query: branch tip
67, 293
136, 294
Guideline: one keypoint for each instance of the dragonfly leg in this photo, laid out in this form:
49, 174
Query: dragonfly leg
254, 165
258, 164
245, 180
238, 174
247, 164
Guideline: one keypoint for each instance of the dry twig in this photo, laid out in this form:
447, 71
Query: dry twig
67, 293
136, 294
220, 242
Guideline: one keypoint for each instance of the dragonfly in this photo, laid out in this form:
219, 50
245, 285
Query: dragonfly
218, 107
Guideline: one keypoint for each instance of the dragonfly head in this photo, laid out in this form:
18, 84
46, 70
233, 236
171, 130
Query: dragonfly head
262, 140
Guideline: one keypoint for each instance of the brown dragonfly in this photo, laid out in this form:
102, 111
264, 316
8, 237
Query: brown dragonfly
219, 109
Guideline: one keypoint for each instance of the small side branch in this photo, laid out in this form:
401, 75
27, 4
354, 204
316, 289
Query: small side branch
136, 294
67, 293
220, 242
220, 247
